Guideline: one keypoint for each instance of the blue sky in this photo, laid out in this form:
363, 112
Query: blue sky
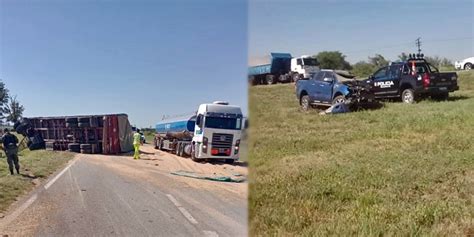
362, 28
143, 58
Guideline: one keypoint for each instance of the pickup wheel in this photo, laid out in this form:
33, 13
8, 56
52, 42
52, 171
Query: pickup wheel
338, 99
408, 96
468, 66
305, 103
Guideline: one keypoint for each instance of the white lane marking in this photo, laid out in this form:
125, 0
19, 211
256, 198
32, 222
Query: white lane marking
209, 233
173, 200
182, 209
59, 175
18, 211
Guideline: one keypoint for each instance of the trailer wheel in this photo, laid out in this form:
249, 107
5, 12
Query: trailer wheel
270, 79
178, 149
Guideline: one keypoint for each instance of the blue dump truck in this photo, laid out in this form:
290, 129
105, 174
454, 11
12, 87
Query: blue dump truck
281, 67
212, 133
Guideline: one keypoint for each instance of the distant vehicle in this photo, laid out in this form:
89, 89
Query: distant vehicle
329, 87
212, 133
412, 80
466, 64
281, 67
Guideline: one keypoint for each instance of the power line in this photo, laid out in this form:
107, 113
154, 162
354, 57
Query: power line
408, 44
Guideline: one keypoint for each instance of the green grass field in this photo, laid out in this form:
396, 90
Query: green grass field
39, 164
403, 170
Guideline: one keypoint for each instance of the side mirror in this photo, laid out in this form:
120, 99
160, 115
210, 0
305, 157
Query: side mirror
199, 120
327, 79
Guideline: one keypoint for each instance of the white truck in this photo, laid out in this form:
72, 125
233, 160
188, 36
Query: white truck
281, 67
214, 132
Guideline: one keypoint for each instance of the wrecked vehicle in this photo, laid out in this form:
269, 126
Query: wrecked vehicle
331, 87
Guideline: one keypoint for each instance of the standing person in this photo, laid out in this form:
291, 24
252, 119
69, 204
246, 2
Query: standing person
10, 147
137, 140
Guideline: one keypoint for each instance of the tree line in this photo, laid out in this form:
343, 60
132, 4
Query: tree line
11, 111
364, 68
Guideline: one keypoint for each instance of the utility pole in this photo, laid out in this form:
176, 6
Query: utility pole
418, 44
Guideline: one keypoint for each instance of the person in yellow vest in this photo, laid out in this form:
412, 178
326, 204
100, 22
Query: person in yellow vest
137, 141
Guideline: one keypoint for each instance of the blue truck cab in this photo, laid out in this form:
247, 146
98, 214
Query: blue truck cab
329, 87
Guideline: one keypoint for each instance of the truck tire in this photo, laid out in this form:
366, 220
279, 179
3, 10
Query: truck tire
295, 77
71, 120
305, 106
71, 125
252, 81
83, 125
270, 79
440, 97
467, 66
408, 96
338, 99
74, 147
86, 146
84, 119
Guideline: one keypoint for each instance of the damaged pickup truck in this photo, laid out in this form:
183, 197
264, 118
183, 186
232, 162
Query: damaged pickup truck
331, 87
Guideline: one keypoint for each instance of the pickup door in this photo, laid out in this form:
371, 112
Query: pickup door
321, 91
386, 81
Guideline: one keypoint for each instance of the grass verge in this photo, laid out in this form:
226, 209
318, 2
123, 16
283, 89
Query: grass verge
403, 170
33, 164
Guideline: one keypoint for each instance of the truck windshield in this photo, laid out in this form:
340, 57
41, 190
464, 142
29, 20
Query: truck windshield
223, 123
310, 62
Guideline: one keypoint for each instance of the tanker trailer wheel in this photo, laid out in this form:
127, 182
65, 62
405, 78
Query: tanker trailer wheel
179, 149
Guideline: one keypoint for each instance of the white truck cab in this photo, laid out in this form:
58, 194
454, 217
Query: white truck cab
304, 66
217, 132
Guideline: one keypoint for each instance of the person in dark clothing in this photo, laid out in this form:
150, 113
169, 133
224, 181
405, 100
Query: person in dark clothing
10, 147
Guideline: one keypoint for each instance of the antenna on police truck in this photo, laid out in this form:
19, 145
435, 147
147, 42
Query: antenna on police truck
418, 44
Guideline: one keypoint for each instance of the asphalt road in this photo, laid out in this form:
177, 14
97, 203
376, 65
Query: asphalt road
117, 196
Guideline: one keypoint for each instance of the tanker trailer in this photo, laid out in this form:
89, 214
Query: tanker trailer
175, 135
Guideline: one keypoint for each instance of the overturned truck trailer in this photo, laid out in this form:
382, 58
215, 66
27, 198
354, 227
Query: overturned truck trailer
90, 134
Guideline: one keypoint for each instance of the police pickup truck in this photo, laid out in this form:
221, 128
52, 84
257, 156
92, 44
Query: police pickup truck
412, 80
